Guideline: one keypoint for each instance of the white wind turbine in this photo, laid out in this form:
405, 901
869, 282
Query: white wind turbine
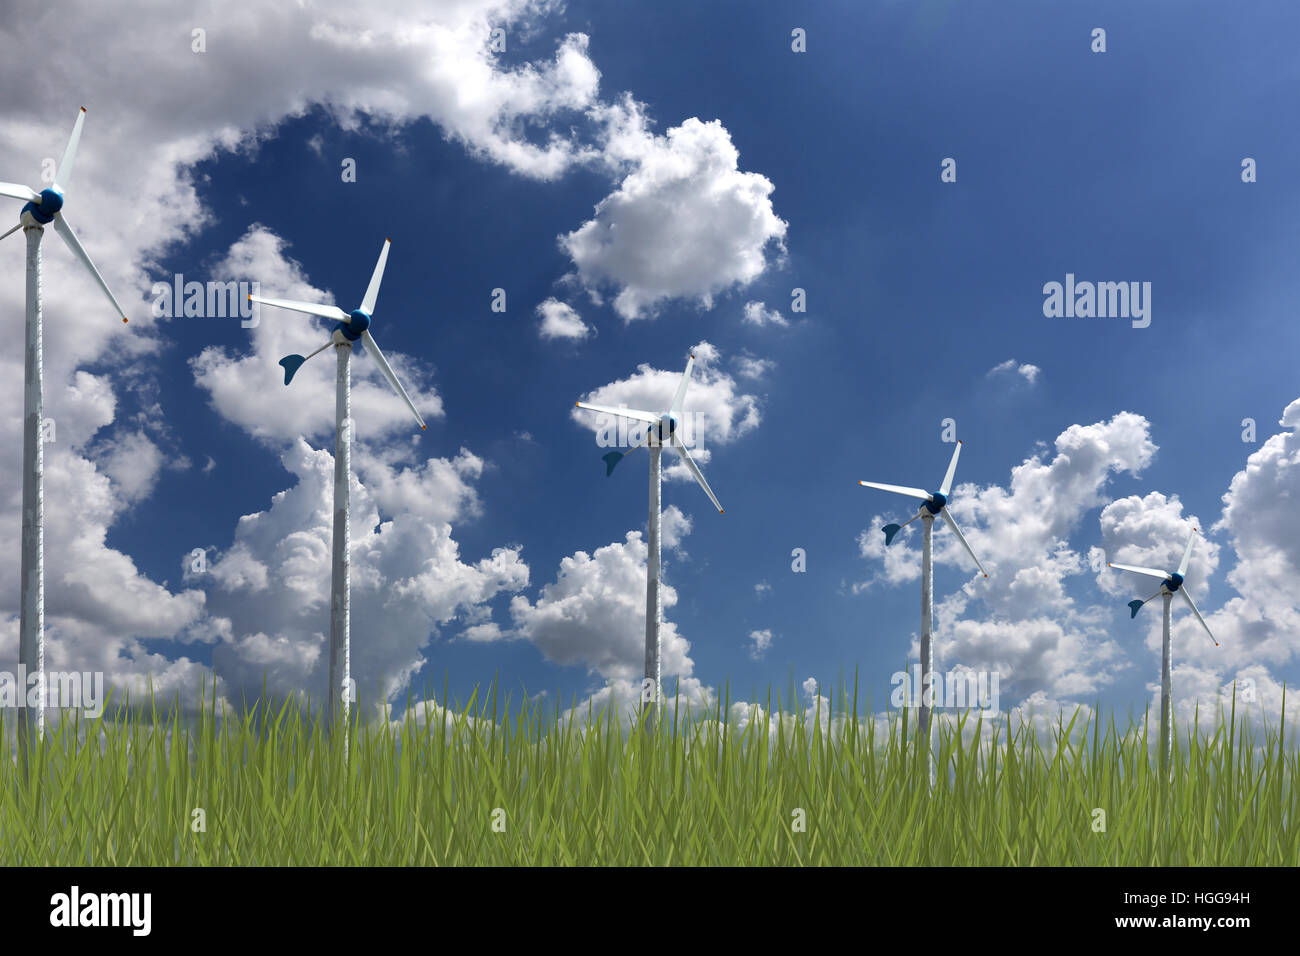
661, 430
1170, 584
352, 326
39, 210
932, 504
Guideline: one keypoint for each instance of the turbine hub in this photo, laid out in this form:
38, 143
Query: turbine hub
936, 503
357, 323
667, 426
1175, 581
43, 212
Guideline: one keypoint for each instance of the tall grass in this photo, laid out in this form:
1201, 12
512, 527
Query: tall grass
495, 783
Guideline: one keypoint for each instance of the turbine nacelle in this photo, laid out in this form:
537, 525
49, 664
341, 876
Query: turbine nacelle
936, 503
43, 212
356, 324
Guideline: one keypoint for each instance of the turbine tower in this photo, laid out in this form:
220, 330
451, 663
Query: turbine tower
932, 504
661, 431
350, 327
1170, 585
39, 210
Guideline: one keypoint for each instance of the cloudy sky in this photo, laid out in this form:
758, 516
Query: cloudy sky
581, 194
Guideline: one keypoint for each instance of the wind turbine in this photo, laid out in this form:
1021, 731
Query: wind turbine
351, 327
39, 210
932, 504
1170, 585
662, 430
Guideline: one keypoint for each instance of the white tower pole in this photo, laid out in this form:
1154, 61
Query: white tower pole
927, 637
652, 605
1166, 691
340, 688
31, 628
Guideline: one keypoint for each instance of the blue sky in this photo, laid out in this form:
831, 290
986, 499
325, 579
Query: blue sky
1115, 166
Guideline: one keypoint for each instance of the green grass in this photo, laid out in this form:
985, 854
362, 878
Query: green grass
122, 790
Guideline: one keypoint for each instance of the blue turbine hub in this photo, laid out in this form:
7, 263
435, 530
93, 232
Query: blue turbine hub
43, 212
1175, 581
936, 503
357, 323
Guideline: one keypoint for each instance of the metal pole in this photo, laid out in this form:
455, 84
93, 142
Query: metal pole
340, 688
652, 606
1166, 692
31, 628
927, 638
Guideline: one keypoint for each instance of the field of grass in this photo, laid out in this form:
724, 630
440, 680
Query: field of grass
496, 783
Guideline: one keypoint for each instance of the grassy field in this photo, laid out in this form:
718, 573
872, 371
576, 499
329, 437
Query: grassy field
492, 783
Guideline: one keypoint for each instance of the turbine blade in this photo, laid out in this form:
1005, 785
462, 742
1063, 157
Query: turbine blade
1152, 572
63, 175
63, 229
695, 470
372, 290
1187, 555
632, 413
681, 386
291, 363
1188, 598
324, 311
19, 191
947, 518
920, 493
387, 371
952, 470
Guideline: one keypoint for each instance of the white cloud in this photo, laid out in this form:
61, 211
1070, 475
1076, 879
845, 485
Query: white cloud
757, 313
760, 641
684, 223
747, 366
561, 321
593, 615
408, 579
1011, 367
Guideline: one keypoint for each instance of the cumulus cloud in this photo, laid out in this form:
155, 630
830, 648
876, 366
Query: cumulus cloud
684, 223
408, 578
759, 642
560, 321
